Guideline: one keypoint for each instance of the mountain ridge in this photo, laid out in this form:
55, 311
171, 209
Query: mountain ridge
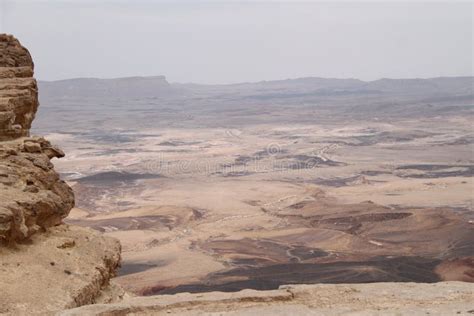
251, 82
300, 88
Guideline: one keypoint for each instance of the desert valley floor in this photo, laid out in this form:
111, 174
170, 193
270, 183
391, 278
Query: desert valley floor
232, 187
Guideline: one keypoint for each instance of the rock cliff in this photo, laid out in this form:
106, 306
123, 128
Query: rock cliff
18, 89
33, 197
73, 264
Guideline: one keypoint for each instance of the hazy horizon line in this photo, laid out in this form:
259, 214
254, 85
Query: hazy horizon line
251, 82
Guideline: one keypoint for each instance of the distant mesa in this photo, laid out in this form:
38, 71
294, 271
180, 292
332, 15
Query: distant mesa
300, 88
129, 87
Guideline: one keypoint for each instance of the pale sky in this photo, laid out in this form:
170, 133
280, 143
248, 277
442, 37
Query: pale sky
237, 41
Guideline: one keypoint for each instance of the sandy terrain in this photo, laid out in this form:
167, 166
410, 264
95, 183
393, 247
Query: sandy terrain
275, 193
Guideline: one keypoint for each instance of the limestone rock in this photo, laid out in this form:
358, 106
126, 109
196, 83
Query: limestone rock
45, 265
18, 89
447, 298
62, 268
32, 196
32, 147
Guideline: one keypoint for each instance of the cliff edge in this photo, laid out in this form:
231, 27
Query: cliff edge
445, 298
45, 265
18, 89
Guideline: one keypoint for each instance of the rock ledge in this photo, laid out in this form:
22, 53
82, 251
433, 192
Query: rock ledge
445, 298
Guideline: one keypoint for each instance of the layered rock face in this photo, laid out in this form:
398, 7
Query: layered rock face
32, 196
45, 265
18, 89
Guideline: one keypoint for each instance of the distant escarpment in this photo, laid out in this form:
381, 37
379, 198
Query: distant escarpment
38, 251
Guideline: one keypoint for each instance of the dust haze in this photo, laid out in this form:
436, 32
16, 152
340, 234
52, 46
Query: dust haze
243, 41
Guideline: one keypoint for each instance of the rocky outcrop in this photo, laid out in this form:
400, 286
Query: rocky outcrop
64, 267
45, 265
448, 298
32, 196
18, 89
